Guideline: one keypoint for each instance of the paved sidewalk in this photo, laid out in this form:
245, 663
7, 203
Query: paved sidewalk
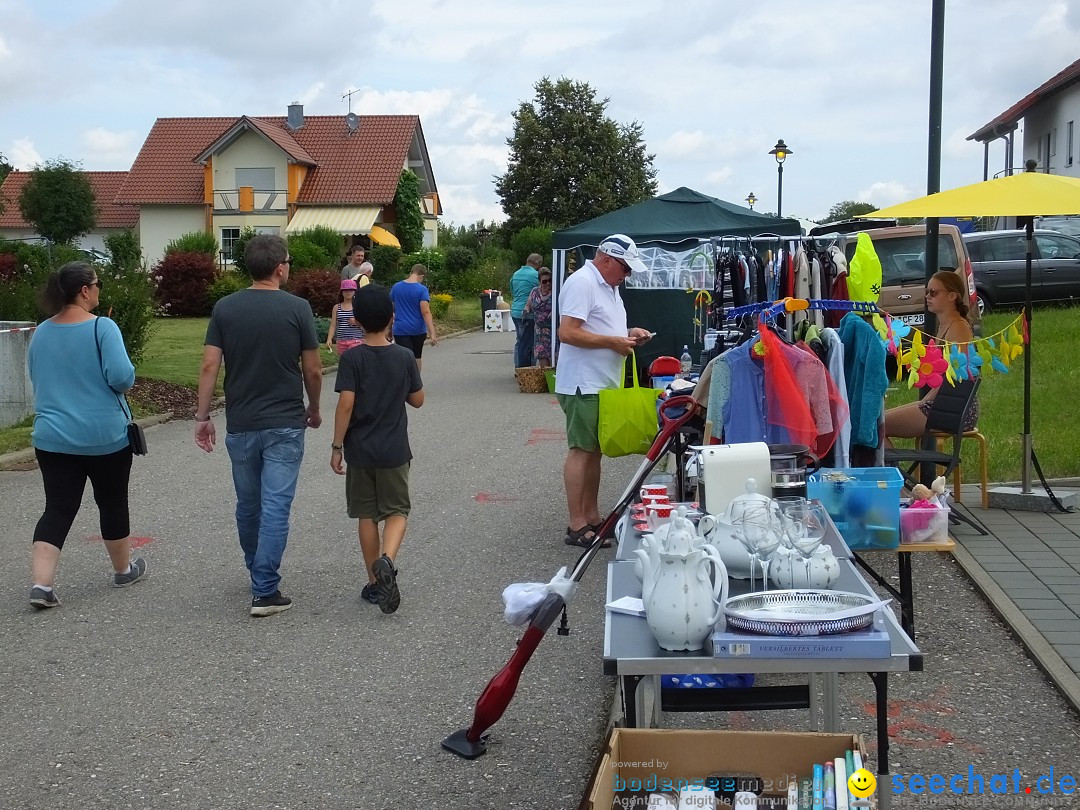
1028, 568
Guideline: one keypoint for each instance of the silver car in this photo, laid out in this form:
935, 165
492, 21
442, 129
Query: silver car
998, 260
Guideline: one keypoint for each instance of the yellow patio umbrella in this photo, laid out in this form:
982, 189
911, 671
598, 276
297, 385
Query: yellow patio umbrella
381, 236
1028, 194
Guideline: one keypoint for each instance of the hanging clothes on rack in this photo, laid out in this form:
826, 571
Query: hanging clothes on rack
864, 370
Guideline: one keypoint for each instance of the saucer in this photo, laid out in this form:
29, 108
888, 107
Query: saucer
642, 527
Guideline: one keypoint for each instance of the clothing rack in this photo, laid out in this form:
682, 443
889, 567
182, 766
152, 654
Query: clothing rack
768, 310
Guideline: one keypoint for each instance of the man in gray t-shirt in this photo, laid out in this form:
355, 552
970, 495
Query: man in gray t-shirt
266, 338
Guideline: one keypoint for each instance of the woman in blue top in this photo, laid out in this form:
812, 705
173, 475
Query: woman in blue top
79, 369
413, 323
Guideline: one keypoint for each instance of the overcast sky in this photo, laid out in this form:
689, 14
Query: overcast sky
714, 84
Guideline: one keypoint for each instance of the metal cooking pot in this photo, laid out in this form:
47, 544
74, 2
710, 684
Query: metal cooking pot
789, 464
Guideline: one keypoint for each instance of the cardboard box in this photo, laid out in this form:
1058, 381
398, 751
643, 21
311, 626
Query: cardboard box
637, 758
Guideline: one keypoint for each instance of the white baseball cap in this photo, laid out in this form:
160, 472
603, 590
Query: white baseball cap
622, 247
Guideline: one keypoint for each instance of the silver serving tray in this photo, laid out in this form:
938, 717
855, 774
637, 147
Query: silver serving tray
826, 612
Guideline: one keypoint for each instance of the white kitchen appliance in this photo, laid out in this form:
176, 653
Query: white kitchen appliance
725, 468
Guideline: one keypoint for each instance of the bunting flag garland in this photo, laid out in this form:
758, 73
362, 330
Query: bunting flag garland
935, 362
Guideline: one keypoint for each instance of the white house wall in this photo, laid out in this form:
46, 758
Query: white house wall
1043, 119
160, 224
249, 151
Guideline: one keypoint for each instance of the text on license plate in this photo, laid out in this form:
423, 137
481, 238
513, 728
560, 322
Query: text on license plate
914, 320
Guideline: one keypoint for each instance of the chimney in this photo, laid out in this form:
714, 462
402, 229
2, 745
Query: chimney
296, 116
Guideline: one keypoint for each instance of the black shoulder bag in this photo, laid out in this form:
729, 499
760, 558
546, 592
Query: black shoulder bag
136, 437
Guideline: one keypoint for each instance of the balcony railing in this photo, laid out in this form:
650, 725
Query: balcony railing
250, 200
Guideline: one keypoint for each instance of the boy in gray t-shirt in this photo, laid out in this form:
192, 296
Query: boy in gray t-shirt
375, 380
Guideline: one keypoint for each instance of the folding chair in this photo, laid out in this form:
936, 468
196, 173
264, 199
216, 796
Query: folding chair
946, 418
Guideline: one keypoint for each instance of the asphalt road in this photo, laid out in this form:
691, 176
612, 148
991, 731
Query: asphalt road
168, 695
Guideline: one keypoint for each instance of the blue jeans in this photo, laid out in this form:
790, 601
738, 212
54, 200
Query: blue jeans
523, 349
265, 466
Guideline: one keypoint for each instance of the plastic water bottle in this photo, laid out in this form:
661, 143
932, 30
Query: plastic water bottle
685, 362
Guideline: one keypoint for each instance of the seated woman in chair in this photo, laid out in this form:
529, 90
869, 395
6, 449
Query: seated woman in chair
947, 299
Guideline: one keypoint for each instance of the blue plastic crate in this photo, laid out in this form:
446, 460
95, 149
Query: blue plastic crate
866, 510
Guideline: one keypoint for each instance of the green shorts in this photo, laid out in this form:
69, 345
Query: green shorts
582, 420
377, 493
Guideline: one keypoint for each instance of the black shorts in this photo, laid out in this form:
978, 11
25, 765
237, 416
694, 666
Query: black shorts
414, 343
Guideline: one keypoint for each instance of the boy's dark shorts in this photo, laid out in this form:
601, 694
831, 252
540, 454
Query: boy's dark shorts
377, 493
582, 420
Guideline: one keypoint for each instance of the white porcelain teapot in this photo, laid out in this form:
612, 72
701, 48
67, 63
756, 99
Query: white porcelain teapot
789, 568
683, 585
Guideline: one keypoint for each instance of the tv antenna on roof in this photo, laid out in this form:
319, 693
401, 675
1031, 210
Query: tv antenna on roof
349, 96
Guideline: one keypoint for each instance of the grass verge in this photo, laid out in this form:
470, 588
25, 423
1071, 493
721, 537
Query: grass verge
1055, 381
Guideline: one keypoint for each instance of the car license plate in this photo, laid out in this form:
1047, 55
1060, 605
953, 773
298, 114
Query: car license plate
912, 320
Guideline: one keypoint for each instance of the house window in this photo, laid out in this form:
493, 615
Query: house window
1053, 142
1069, 144
229, 237
258, 179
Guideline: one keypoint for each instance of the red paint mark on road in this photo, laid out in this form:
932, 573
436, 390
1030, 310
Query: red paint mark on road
910, 723
537, 435
136, 542
491, 497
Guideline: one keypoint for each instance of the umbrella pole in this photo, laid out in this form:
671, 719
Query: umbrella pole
1025, 439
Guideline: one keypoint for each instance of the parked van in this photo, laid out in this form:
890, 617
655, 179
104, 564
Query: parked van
903, 268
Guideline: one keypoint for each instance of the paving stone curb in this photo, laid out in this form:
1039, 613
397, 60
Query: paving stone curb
1034, 642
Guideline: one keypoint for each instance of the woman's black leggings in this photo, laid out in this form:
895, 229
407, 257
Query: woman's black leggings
64, 476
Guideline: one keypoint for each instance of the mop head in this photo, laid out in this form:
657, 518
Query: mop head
523, 598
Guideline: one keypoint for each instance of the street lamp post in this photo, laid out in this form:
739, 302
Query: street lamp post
750, 200
780, 152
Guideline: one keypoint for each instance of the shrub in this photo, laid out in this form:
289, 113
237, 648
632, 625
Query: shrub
306, 255
8, 266
410, 219
62, 254
322, 329
124, 250
387, 263
489, 274
183, 279
459, 259
319, 288
328, 239
194, 242
532, 240
440, 304
435, 262
227, 283
127, 296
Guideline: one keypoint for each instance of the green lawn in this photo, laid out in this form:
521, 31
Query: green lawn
174, 353
1055, 381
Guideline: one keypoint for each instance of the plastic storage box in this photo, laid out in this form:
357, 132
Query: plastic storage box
924, 525
865, 507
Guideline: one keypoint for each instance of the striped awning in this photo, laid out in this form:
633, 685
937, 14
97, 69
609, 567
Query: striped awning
353, 220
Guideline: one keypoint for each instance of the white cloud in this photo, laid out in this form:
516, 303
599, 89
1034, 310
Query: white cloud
101, 147
5, 51
886, 193
720, 177
23, 154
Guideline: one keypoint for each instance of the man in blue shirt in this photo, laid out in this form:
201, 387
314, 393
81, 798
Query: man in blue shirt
523, 282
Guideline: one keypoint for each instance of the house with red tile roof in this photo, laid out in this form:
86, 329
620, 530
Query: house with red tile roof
1049, 114
276, 174
110, 216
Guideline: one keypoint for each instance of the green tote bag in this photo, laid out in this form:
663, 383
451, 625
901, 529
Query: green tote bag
628, 422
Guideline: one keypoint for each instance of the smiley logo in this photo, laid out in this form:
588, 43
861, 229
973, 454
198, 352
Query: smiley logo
861, 783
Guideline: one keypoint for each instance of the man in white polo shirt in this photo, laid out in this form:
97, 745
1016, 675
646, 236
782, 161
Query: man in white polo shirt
594, 345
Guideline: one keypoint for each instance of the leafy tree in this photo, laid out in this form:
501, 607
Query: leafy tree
5, 169
58, 201
410, 220
569, 161
123, 247
848, 209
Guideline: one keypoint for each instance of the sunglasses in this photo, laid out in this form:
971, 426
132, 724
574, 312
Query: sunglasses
933, 293
97, 283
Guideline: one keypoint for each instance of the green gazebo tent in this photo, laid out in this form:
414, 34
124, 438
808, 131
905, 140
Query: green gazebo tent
677, 220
